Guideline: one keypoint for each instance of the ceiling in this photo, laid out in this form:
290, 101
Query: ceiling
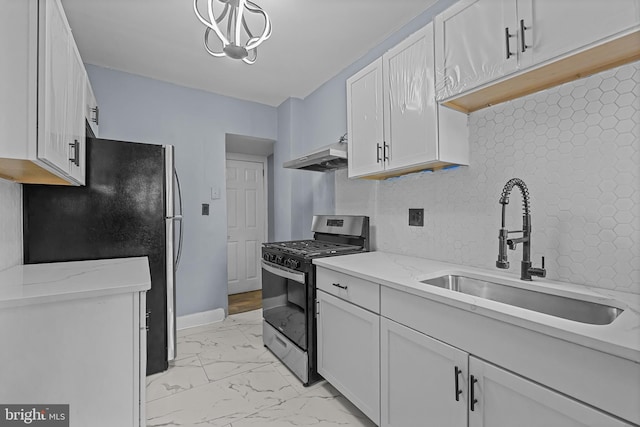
312, 41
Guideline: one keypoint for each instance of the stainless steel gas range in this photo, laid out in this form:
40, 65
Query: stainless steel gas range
289, 288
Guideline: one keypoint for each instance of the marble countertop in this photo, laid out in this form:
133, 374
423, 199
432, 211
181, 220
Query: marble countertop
620, 338
40, 283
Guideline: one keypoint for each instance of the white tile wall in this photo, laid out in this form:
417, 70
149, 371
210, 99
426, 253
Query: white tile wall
10, 224
577, 147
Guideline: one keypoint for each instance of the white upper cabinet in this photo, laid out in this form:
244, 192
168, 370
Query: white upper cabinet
393, 119
490, 51
92, 111
476, 41
44, 141
553, 27
364, 120
410, 111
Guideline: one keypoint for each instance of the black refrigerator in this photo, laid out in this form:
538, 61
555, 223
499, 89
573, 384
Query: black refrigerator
126, 209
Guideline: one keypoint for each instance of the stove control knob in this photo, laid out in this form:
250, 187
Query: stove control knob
279, 259
293, 263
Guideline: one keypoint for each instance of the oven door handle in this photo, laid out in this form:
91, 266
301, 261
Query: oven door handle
284, 272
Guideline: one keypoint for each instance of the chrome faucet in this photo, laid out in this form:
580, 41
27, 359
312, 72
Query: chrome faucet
526, 269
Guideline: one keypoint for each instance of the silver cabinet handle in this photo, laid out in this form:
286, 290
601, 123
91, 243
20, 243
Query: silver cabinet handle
338, 285
378, 157
386, 152
75, 145
96, 119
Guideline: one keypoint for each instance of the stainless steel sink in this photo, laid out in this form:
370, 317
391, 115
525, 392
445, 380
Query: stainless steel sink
554, 305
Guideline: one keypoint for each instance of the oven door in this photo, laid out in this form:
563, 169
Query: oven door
284, 297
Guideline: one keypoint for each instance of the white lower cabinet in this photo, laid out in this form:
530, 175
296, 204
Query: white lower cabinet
499, 398
89, 353
349, 351
424, 381
427, 382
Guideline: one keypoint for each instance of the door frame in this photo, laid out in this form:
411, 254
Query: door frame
254, 159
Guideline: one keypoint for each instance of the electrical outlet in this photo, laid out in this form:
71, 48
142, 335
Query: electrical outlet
416, 217
205, 209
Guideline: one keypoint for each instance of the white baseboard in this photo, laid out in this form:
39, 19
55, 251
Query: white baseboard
199, 319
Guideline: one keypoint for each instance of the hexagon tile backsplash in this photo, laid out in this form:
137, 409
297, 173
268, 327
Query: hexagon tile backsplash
576, 146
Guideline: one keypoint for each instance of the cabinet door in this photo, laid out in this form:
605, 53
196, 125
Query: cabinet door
349, 352
75, 131
364, 120
557, 27
422, 379
410, 115
53, 143
506, 400
92, 112
472, 44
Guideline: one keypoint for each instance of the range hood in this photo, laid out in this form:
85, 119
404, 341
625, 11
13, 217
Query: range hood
328, 158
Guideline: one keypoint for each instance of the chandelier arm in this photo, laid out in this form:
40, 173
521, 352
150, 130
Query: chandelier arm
267, 28
213, 25
251, 59
223, 14
230, 21
239, 21
246, 28
206, 45
251, 6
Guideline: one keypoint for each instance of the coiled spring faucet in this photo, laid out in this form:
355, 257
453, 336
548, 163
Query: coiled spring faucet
526, 269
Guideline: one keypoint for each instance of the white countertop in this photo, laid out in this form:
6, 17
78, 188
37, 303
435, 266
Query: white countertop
60, 281
620, 338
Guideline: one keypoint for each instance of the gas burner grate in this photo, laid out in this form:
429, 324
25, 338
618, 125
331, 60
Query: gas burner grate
311, 248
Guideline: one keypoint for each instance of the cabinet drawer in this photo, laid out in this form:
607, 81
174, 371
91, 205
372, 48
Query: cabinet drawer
349, 288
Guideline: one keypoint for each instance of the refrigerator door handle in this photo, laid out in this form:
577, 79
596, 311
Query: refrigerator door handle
178, 218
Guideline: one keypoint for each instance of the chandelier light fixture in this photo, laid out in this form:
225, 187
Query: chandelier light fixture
237, 41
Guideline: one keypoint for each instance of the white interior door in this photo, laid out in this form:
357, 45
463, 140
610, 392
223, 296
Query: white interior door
245, 224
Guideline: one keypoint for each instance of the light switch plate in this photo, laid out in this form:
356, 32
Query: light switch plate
416, 217
205, 209
215, 193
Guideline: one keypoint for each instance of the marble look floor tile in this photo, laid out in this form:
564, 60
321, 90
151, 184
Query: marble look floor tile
222, 402
295, 381
231, 358
211, 340
186, 374
198, 329
320, 407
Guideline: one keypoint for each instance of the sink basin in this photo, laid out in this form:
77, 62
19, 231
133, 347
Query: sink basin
554, 305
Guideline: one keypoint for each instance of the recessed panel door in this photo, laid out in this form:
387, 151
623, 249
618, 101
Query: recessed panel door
245, 224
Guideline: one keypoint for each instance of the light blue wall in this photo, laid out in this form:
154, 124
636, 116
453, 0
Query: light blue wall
323, 117
134, 108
